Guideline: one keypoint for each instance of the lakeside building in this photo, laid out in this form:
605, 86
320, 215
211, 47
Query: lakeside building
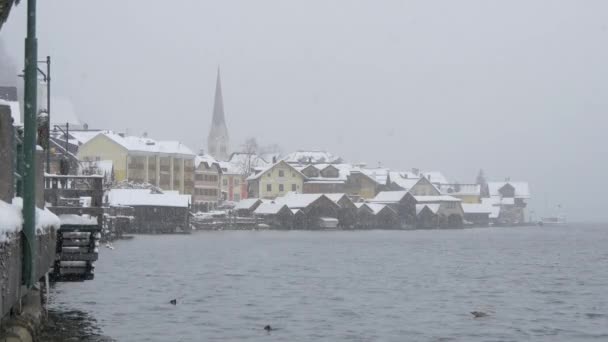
275, 180
510, 199
207, 179
167, 212
166, 164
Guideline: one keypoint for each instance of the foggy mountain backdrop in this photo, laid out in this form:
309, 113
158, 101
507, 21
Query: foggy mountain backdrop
518, 88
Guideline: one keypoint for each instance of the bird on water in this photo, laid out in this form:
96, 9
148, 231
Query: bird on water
173, 301
479, 314
268, 328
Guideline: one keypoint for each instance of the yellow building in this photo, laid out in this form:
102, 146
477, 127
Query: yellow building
275, 180
166, 164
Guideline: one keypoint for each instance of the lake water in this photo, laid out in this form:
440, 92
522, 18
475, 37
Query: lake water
539, 284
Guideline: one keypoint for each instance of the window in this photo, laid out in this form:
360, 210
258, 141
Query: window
236, 182
225, 181
268, 187
293, 187
237, 197
281, 173
281, 187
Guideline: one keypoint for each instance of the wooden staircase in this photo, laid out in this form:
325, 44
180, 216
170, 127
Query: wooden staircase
78, 237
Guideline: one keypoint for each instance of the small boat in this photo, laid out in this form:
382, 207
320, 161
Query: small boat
553, 221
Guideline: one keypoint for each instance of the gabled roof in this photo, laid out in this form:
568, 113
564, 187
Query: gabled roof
377, 208
433, 207
389, 196
207, 159
378, 175
268, 168
247, 204
522, 189
271, 209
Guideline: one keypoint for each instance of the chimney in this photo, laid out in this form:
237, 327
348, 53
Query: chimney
415, 171
85, 126
274, 159
145, 135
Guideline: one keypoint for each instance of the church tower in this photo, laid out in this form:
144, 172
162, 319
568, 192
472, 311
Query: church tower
217, 142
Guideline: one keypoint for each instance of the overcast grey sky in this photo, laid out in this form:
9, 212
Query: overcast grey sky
518, 88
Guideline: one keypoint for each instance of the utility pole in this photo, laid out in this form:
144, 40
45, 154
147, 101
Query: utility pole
48, 113
29, 146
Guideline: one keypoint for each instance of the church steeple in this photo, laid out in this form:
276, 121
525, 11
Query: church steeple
217, 142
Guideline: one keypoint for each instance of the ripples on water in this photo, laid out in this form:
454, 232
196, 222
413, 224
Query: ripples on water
541, 284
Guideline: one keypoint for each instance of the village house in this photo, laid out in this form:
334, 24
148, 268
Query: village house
275, 180
277, 216
167, 212
166, 164
477, 214
438, 212
316, 211
207, 186
402, 202
347, 214
376, 216
511, 198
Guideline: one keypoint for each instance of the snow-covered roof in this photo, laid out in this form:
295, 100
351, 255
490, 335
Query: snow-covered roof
263, 170
15, 111
477, 208
80, 137
522, 190
205, 158
376, 208
269, 209
143, 144
494, 204
295, 200
379, 175
336, 197
403, 179
145, 197
435, 177
434, 207
389, 196
434, 199
407, 179
460, 189
311, 157
246, 204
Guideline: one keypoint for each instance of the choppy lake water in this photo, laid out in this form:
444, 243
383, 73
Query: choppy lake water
539, 284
